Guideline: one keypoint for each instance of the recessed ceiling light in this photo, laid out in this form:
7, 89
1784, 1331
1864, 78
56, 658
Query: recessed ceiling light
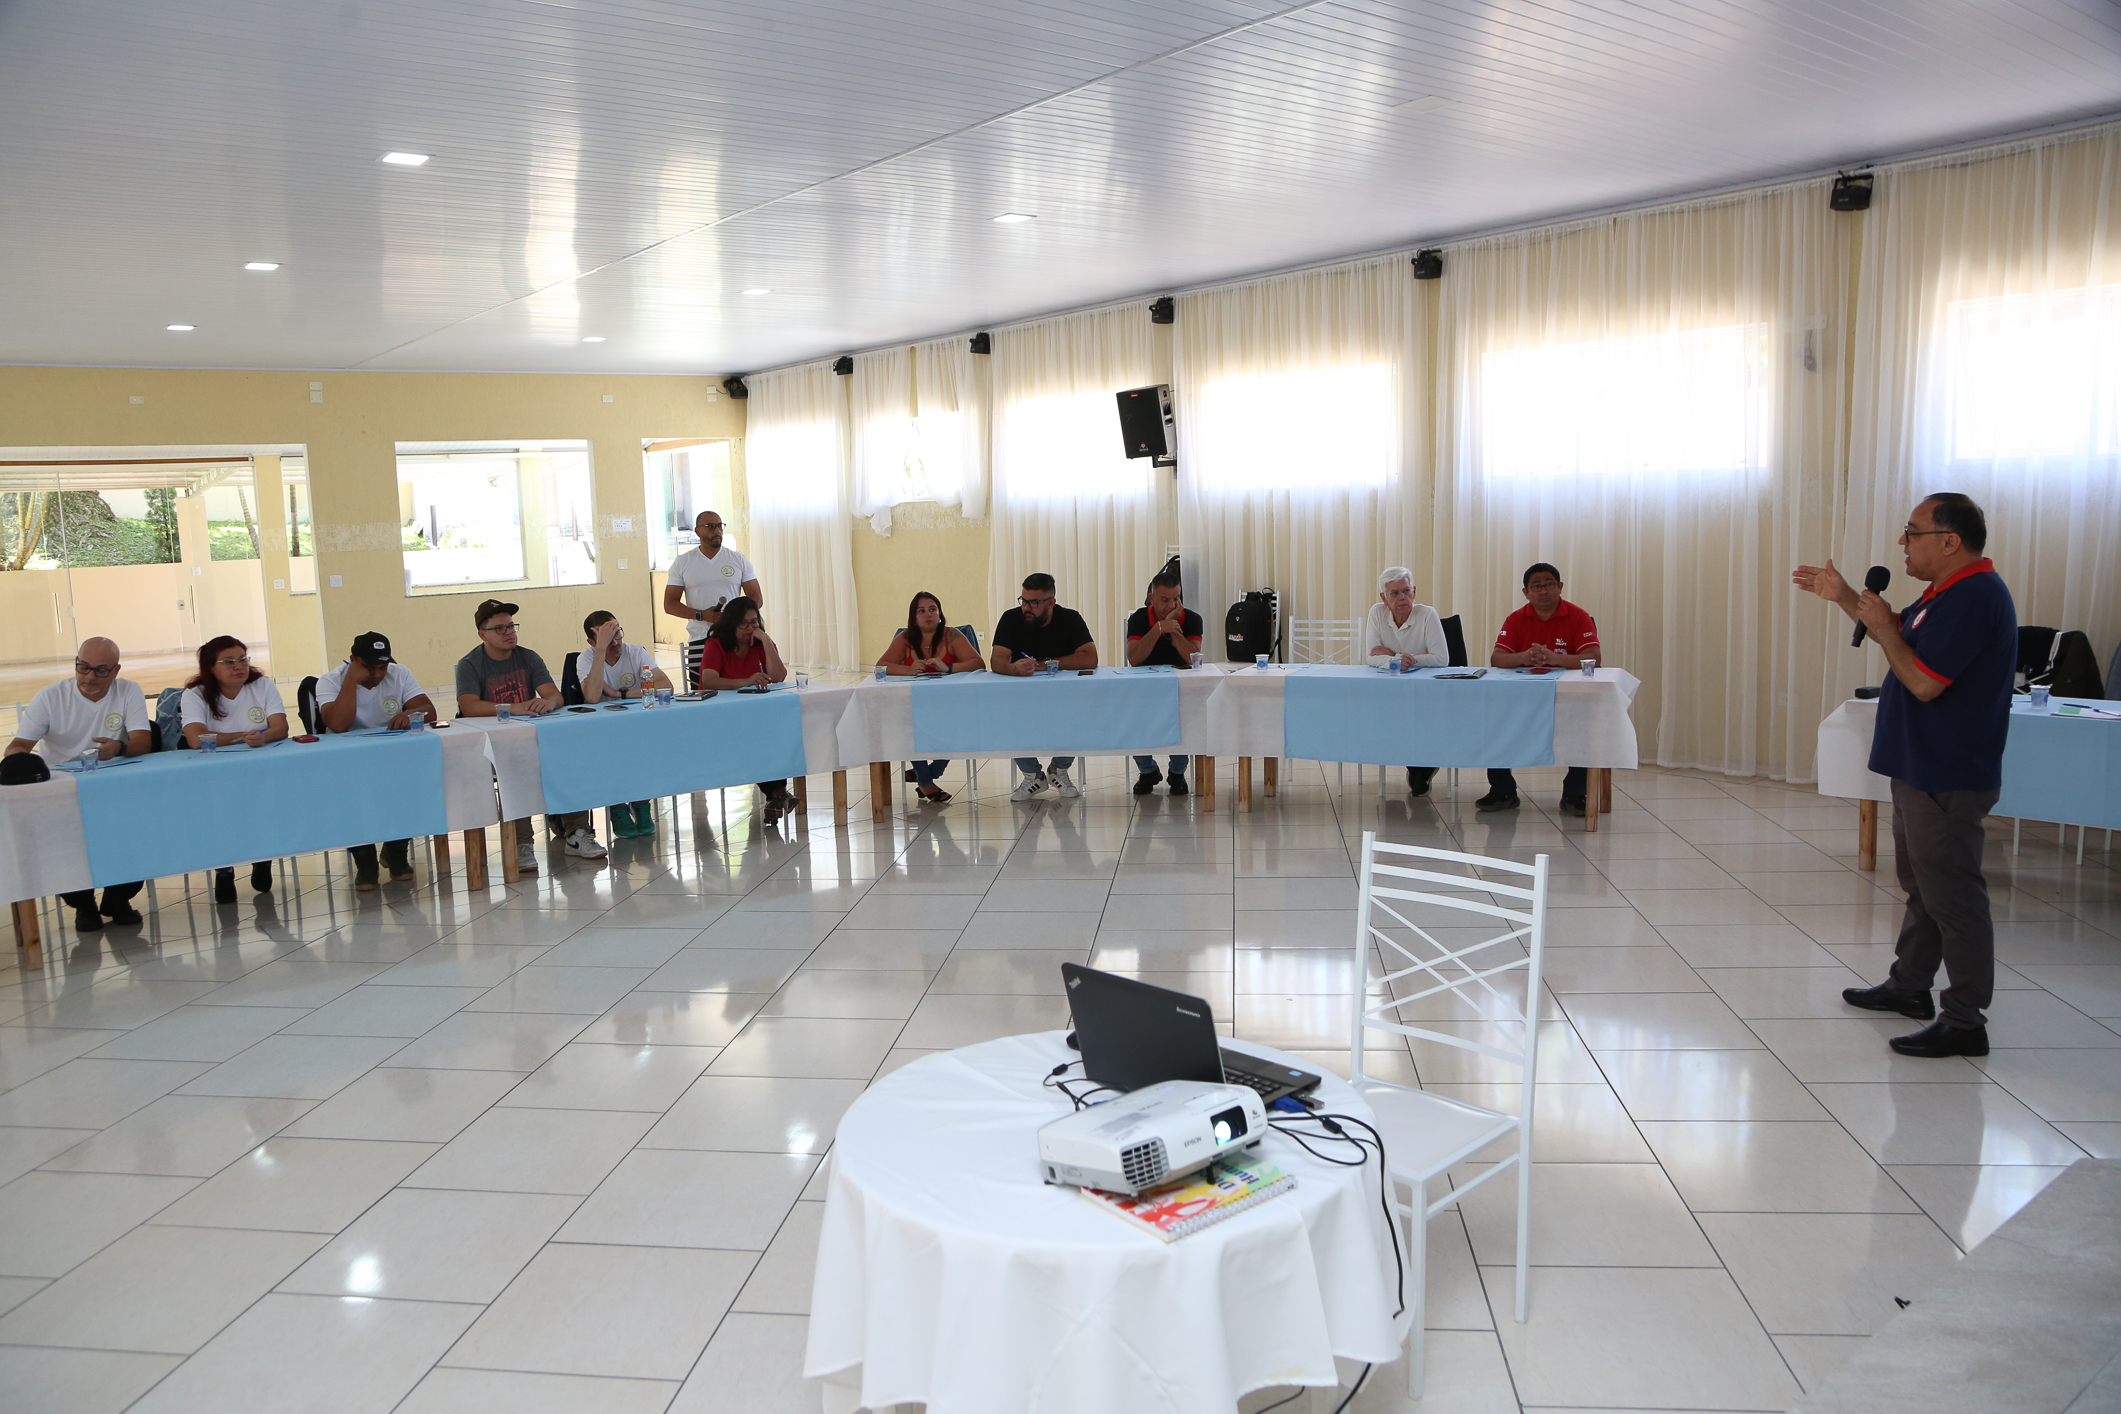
406, 159
592, 338
261, 265
180, 328
755, 292
1423, 105
1010, 218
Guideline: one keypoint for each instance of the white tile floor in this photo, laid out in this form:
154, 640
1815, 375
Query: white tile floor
555, 1148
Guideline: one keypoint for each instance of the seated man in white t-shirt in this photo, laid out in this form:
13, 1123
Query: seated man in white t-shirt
611, 667
95, 710
1399, 628
372, 689
703, 580
236, 705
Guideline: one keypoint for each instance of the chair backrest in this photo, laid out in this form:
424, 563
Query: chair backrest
971, 635
306, 705
168, 734
1401, 886
1454, 641
2076, 668
1325, 640
2036, 649
570, 683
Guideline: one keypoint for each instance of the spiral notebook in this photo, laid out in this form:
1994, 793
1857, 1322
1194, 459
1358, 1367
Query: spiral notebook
1223, 1189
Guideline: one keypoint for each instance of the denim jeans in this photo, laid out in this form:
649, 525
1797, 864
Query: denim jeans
925, 772
1030, 767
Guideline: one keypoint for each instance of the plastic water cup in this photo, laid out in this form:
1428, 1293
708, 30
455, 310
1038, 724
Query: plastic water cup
664, 695
500, 711
1052, 665
881, 672
1197, 659
802, 680
209, 741
1590, 667
417, 721
89, 758
2041, 692
1259, 661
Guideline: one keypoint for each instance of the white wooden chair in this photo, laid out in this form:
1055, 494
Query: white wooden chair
1332, 641
1427, 1135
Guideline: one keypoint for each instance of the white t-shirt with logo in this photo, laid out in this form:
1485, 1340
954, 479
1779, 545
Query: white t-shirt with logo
250, 710
708, 583
635, 669
373, 706
64, 724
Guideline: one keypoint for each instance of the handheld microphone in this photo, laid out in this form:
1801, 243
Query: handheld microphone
1876, 581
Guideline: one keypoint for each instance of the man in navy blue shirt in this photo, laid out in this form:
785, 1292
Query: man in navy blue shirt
1942, 717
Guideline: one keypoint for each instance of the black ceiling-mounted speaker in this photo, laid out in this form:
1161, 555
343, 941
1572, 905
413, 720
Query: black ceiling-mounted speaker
735, 388
1428, 265
1164, 311
983, 342
843, 365
1145, 423
1850, 194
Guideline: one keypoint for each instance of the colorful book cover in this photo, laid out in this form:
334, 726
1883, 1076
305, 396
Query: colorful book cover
1172, 1210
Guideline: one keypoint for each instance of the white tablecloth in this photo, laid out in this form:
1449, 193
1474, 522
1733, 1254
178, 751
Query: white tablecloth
42, 849
1845, 753
1592, 726
949, 1274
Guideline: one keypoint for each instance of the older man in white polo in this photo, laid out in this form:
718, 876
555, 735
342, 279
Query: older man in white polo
1401, 628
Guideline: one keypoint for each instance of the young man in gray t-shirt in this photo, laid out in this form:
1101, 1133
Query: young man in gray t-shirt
501, 670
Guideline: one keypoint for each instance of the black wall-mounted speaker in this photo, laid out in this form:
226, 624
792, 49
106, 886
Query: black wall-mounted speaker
843, 365
1428, 265
1850, 194
735, 388
1145, 421
983, 342
1164, 311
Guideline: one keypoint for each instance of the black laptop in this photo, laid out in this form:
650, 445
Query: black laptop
1133, 1034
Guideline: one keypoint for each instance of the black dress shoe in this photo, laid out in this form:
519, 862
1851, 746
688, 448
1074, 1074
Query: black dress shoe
1882, 998
1146, 782
87, 920
1418, 779
1940, 1039
261, 876
1573, 805
1495, 800
122, 913
1178, 785
224, 885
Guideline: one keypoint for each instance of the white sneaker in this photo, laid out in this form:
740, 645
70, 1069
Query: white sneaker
526, 859
1065, 788
1030, 787
583, 845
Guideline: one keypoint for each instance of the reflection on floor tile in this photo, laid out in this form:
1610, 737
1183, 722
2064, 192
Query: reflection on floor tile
564, 1145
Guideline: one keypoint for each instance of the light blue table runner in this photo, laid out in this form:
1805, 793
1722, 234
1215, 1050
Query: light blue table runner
183, 810
590, 759
1363, 716
2063, 768
1116, 709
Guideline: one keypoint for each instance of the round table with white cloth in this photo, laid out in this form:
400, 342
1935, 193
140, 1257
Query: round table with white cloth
949, 1274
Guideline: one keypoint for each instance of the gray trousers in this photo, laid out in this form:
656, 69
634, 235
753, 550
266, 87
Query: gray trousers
1937, 844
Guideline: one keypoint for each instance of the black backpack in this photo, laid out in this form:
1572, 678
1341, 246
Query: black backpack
1252, 626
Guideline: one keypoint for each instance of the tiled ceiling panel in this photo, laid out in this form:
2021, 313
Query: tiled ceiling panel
626, 170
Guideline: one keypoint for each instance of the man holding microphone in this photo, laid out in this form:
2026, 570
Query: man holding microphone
1943, 714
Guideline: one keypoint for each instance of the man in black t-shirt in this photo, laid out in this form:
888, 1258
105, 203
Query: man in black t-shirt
1038, 630
1164, 633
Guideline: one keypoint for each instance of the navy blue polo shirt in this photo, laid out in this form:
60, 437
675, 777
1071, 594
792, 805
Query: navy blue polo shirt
1964, 632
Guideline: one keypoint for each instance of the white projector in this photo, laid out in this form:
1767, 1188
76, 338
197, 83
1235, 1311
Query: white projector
1150, 1135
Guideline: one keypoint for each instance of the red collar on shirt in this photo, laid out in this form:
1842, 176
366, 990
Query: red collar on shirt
1983, 566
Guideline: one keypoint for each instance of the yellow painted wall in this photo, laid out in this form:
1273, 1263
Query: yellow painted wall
929, 548
350, 439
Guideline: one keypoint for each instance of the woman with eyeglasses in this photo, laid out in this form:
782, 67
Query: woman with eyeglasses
928, 647
236, 705
737, 654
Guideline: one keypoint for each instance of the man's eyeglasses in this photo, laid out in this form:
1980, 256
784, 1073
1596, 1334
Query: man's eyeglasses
1032, 603
242, 662
1544, 584
500, 628
1911, 533
108, 670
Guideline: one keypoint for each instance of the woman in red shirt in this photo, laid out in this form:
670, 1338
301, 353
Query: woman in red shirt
737, 653
928, 647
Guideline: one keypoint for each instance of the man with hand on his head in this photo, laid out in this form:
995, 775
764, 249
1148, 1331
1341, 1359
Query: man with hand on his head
371, 689
500, 670
95, 710
1027, 636
701, 582
1167, 633
1548, 632
1400, 629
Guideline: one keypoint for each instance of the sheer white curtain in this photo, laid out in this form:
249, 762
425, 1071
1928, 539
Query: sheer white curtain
1989, 358
1066, 499
1653, 403
796, 470
953, 389
887, 459
1291, 400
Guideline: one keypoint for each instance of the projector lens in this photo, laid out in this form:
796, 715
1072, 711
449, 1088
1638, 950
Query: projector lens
1229, 1125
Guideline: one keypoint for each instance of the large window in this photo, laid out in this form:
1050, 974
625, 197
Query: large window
1689, 403
683, 478
301, 527
1067, 447
495, 515
1298, 431
2035, 375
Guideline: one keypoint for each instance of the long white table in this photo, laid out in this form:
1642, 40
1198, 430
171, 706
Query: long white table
492, 773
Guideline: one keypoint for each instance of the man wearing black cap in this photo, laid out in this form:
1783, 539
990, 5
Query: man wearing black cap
372, 689
500, 670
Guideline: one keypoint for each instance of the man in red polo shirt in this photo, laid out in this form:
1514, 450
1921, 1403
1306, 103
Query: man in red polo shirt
1548, 632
